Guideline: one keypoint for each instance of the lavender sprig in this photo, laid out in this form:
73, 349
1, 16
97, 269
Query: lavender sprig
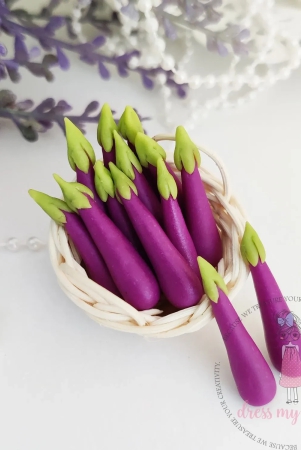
24, 58
32, 120
198, 15
87, 52
43, 26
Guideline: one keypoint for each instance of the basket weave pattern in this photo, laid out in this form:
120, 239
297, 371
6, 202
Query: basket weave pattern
111, 311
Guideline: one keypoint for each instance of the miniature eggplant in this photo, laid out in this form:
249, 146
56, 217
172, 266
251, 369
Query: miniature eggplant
132, 276
94, 263
106, 126
278, 321
179, 283
197, 211
253, 377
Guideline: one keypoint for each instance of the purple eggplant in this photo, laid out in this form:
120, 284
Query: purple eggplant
81, 158
173, 220
129, 125
106, 126
181, 286
280, 326
149, 151
128, 163
197, 211
106, 191
94, 264
253, 377
132, 276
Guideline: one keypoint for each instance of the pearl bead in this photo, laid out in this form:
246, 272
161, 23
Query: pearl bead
151, 25
225, 105
284, 35
261, 87
271, 79
168, 63
166, 91
255, 81
210, 81
247, 23
223, 96
126, 29
180, 77
252, 95
249, 70
13, 245
34, 244
76, 27
160, 44
195, 82
261, 58
270, 43
238, 82
284, 73
148, 61
294, 43
240, 101
76, 13
161, 78
119, 51
210, 104
133, 62
195, 116
295, 63
144, 5
253, 8
133, 41
224, 80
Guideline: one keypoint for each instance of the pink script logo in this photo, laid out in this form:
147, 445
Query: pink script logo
247, 412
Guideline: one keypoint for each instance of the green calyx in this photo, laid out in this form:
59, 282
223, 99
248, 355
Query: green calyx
74, 194
186, 154
106, 126
103, 181
129, 124
251, 246
148, 150
52, 206
125, 158
165, 181
211, 280
80, 151
124, 186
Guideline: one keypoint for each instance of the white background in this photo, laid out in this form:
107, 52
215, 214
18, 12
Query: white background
68, 384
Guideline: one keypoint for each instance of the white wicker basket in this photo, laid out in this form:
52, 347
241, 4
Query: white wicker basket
111, 311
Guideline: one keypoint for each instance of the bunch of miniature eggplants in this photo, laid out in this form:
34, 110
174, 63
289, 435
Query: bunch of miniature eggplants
143, 232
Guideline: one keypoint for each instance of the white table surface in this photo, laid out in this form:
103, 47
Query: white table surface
68, 384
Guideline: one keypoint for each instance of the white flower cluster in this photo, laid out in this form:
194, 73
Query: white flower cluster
179, 39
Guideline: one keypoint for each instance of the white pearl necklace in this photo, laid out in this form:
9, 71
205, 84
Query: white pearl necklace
77, 13
235, 86
13, 244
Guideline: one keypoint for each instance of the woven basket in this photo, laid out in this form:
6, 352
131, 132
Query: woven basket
111, 311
